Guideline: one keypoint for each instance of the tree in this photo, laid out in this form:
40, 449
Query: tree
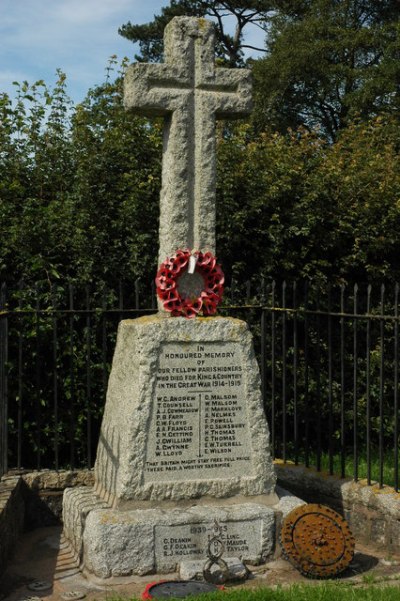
36, 167
229, 47
79, 187
79, 195
116, 189
328, 62
320, 211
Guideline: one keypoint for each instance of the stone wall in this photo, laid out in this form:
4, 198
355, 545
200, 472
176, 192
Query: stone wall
373, 513
12, 508
34, 499
44, 493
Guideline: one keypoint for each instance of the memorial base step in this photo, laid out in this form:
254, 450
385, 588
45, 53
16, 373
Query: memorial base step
113, 543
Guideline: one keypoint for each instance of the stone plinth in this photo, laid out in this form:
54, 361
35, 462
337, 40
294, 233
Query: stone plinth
111, 543
184, 416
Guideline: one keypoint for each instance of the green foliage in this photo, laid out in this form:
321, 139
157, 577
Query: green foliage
36, 165
117, 181
79, 190
79, 203
78, 186
329, 62
324, 212
229, 46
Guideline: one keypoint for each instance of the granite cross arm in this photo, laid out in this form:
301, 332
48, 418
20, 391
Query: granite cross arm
190, 93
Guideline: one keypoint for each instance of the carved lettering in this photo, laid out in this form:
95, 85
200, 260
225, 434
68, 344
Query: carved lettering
202, 425
191, 540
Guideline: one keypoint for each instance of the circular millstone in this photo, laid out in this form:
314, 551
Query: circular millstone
72, 595
317, 541
39, 585
177, 589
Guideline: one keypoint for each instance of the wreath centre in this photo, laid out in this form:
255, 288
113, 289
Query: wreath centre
189, 283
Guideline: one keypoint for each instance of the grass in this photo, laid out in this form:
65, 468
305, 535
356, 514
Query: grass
388, 466
312, 592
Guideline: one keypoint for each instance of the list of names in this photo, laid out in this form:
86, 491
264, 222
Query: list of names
198, 427
190, 541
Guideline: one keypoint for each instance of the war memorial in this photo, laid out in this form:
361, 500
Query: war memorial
184, 441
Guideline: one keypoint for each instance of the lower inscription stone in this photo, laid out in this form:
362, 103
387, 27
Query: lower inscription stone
189, 541
115, 543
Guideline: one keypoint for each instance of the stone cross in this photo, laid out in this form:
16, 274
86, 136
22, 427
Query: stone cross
190, 93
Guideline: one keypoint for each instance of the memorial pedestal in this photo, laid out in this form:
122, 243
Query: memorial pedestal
111, 543
184, 416
184, 441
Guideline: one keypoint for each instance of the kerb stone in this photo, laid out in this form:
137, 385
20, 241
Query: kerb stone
77, 504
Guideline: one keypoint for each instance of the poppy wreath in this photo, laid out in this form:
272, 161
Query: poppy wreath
167, 283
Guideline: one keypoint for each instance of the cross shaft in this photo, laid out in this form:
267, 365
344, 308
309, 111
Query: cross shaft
190, 94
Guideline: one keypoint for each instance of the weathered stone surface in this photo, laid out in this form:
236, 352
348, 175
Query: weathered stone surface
379, 531
183, 416
393, 539
110, 542
118, 543
77, 504
247, 531
58, 480
287, 502
190, 93
193, 569
122, 543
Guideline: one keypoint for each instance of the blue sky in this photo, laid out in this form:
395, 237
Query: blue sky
77, 36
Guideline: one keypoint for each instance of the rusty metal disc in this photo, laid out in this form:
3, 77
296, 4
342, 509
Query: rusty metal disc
317, 541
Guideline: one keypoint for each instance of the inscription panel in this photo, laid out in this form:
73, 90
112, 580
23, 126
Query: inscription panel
198, 427
176, 543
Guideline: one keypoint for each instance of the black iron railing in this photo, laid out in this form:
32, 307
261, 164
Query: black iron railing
328, 358
330, 377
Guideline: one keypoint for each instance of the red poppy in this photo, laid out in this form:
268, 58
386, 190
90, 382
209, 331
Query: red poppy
167, 290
